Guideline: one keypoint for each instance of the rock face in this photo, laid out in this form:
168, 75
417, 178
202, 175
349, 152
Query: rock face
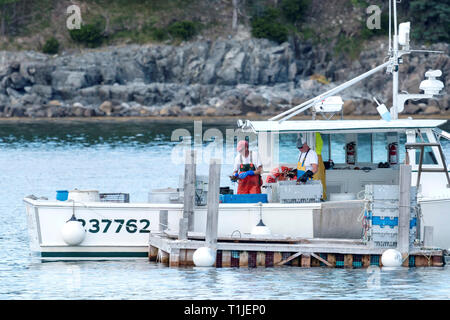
206, 78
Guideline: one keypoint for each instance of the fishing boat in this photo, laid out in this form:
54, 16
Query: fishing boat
364, 154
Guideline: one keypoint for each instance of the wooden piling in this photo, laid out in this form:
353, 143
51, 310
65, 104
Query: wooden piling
163, 256
261, 259
190, 257
365, 261
174, 258
152, 253
404, 210
189, 196
305, 260
163, 219
437, 261
226, 259
243, 259
212, 217
348, 261
331, 258
277, 257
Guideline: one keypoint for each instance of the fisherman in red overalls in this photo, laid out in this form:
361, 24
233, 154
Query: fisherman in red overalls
247, 170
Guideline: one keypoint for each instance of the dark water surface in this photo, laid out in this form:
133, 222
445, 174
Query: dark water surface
135, 157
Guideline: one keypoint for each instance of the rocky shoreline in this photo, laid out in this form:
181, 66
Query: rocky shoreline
222, 78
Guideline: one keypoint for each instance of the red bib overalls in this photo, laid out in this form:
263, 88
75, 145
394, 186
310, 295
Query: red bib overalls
250, 184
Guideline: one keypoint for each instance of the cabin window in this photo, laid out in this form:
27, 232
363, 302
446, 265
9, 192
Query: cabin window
379, 142
337, 145
364, 151
326, 147
401, 147
288, 152
428, 156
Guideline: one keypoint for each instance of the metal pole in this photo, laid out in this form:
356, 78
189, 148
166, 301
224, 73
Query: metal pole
394, 114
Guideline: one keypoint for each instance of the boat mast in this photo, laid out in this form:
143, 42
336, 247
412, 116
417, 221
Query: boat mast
395, 57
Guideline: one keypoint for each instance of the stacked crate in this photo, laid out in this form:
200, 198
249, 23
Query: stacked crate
291, 192
414, 216
383, 214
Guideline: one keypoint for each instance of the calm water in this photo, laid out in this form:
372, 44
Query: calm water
135, 157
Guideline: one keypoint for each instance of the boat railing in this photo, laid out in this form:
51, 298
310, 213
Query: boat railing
421, 146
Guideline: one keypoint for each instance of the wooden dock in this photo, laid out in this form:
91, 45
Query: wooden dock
246, 250
273, 251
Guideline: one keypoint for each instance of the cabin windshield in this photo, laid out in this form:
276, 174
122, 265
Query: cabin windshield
371, 148
428, 156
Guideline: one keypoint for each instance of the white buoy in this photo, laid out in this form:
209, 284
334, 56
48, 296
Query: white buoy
204, 257
391, 258
73, 232
261, 229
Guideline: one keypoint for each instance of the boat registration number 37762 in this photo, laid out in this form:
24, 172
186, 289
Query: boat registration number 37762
117, 225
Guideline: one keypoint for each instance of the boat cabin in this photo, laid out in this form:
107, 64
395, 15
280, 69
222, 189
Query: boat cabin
363, 151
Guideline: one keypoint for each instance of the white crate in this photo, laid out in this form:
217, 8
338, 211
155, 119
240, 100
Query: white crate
412, 235
384, 212
384, 240
381, 192
392, 204
376, 229
291, 192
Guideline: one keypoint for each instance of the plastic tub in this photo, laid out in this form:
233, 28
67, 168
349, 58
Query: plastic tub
168, 195
62, 195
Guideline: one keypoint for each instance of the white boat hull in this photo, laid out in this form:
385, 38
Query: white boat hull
116, 230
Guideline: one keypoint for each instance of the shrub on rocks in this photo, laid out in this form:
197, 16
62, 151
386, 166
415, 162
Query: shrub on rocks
267, 25
91, 35
183, 30
294, 10
51, 46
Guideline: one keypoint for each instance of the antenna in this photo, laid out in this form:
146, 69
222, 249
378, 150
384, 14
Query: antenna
390, 26
394, 110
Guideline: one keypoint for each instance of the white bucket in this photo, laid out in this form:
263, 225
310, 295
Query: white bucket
84, 195
168, 195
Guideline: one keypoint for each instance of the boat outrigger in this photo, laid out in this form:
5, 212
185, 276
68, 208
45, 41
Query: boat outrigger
121, 230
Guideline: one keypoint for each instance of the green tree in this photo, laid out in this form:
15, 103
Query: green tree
430, 20
5, 15
90, 35
294, 10
268, 25
51, 46
184, 30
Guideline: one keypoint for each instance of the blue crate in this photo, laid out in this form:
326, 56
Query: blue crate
386, 221
244, 198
